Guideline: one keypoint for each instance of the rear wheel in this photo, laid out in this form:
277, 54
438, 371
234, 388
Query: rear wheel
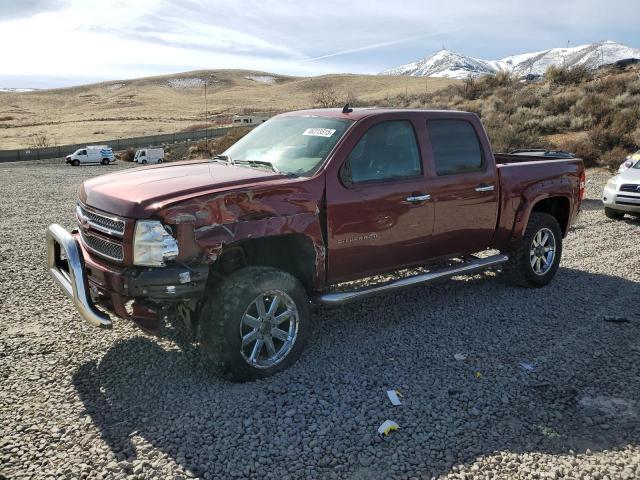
105, 161
613, 214
159, 160
75, 163
535, 260
255, 323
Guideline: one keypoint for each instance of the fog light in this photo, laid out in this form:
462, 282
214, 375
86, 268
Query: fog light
171, 290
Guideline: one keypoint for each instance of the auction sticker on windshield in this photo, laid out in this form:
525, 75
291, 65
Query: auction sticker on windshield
319, 132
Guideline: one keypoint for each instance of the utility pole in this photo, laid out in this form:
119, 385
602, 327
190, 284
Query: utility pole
564, 57
206, 127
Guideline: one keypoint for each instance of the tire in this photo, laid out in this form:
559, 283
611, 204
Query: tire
229, 313
105, 161
75, 163
613, 214
527, 266
144, 162
159, 160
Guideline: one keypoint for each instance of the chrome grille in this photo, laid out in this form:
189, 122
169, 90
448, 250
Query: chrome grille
102, 222
630, 187
103, 248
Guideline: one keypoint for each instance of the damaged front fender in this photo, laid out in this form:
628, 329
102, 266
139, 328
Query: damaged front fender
206, 225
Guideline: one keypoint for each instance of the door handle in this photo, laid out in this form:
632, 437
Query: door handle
418, 198
483, 187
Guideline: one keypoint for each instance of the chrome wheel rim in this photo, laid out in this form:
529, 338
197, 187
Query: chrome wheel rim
268, 329
542, 251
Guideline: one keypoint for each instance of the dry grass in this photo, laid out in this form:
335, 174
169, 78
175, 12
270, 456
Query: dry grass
151, 105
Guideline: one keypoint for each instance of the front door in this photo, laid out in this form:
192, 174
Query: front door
379, 216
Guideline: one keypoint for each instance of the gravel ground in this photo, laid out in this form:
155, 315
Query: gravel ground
79, 402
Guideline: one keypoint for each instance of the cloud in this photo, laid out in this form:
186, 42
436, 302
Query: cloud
19, 9
76, 40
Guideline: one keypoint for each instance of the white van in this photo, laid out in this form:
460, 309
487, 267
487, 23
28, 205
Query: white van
92, 154
149, 155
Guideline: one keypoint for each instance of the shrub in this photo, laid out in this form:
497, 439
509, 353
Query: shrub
634, 87
614, 157
528, 98
560, 102
567, 75
595, 105
39, 140
326, 96
216, 146
6, 118
555, 123
197, 126
635, 138
611, 85
128, 155
583, 148
470, 89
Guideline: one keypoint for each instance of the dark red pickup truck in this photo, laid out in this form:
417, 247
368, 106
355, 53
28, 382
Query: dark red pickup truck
237, 246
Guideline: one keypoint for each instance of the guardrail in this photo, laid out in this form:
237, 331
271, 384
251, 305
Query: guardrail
117, 144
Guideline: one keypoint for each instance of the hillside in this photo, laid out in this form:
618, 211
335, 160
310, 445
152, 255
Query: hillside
595, 114
170, 103
446, 64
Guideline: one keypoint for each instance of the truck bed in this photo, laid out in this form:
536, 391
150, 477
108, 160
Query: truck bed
522, 176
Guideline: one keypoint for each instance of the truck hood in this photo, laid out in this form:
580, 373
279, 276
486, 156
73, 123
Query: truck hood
139, 192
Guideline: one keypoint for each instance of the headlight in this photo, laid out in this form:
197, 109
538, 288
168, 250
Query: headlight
152, 244
612, 184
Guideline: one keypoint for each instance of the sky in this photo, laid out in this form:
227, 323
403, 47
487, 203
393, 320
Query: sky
56, 43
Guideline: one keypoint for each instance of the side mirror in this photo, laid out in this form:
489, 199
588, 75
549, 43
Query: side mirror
345, 175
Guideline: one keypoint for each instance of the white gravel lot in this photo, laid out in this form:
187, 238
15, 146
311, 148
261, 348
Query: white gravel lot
77, 402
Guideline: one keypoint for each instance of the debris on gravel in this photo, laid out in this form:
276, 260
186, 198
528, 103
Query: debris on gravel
78, 402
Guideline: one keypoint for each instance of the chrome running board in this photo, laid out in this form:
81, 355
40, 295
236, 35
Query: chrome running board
471, 266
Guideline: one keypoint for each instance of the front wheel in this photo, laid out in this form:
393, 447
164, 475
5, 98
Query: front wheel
75, 163
613, 214
254, 323
535, 260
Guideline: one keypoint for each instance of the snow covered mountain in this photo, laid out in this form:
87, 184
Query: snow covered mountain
454, 65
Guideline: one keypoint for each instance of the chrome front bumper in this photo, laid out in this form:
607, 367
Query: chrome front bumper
68, 271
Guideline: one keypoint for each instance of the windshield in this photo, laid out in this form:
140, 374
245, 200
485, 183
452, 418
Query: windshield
637, 165
293, 145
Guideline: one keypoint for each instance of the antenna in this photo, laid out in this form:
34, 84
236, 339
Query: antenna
347, 109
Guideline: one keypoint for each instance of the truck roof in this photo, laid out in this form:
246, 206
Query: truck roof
360, 113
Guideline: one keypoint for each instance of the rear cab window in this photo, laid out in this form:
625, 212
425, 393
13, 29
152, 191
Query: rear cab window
387, 151
456, 147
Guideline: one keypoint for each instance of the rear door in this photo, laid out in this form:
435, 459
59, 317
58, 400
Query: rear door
464, 187
378, 212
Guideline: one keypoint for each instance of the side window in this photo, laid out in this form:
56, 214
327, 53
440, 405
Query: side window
388, 150
456, 148
83, 152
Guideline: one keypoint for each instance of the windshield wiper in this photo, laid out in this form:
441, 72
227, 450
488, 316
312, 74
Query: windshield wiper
225, 158
258, 163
